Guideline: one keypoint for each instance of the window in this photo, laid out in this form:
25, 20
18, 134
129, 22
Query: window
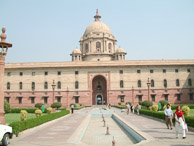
188, 70
164, 70
20, 100
140, 97
45, 100
33, 85
191, 96
7, 99
166, 97
138, 71
86, 48
99, 86
152, 83
46, 73
76, 99
139, 83
165, 83
58, 85
76, 84
21, 73
98, 46
151, 71
45, 85
178, 97
177, 82
20, 85
59, 73
8, 86
153, 97
176, 70
9, 74
121, 71
122, 99
189, 82
76, 72
32, 100
58, 99
110, 47
121, 84
33, 73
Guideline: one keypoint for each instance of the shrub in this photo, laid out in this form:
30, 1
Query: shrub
33, 122
38, 105
119, 103
38, 113
186, 110
128, 103
147, 103
23, 115
17, 110
164, 107
49, 110
163, 103
7, 108
62, 108
155, 108
140, 102
56, 105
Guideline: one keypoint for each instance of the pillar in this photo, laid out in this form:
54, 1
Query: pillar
2, 67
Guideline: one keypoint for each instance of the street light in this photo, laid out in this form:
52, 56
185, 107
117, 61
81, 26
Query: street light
53, 86
3, 52
148, 84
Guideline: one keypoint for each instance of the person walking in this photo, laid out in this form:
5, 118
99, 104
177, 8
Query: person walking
132, 108
138, 108
180, 122
72, 108
128, 107
168, 116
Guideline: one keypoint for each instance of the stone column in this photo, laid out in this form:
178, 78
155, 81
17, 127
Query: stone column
2, 64
3, 52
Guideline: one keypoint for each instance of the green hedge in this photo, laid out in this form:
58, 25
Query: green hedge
17, 110
161, 115
173, 106
33, 122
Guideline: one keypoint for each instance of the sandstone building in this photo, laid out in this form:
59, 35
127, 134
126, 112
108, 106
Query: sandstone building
97, 74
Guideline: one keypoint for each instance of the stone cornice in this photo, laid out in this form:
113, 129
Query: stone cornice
127, 63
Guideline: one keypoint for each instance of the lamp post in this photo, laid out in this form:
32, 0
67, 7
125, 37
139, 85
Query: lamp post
3, 52
148, 84
53, 86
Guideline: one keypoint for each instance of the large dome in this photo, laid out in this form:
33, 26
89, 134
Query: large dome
97, 26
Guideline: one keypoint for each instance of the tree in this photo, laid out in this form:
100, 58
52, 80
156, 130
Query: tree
56, 105
7, 108
147, 103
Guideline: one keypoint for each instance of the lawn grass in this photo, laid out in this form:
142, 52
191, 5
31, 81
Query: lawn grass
13, 117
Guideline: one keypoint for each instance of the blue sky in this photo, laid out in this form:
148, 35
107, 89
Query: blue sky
48, 30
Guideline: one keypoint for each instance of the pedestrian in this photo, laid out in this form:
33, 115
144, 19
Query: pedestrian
138, 108
180, 122
168, 116
128, 107
109, 106
131, 107
72, 108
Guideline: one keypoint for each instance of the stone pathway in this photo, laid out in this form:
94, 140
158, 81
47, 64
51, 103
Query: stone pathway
67, 130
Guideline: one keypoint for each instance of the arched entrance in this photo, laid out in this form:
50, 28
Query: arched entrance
99, 87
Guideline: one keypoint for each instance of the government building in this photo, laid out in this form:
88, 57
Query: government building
99, 74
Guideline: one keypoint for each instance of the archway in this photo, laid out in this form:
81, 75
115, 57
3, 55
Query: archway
99, 88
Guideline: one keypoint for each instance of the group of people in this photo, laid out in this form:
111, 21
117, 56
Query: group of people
180, 124
132, 108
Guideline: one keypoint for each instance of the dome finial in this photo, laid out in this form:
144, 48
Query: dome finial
3, 35
97, 16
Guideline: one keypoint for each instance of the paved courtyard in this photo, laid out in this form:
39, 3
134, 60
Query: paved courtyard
80, 129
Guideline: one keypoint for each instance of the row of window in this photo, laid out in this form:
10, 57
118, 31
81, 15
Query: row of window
153, 97
32, 99
152, 83
45, 85
45, 73
152, 71
77, 72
